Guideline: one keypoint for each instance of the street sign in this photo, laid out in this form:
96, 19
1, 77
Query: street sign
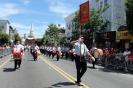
84, 13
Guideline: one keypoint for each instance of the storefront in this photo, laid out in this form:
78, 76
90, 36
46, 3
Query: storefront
123, 39
106, 39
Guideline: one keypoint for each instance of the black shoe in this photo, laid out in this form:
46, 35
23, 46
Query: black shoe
18, 66
94, 67
78, 83
15, 69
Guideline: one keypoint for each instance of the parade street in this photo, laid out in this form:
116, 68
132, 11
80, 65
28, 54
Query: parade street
49, 73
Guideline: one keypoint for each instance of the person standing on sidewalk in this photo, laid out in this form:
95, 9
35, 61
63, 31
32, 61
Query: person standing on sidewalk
81, 53
18, 51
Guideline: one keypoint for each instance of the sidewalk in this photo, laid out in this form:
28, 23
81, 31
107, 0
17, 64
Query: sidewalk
3, 59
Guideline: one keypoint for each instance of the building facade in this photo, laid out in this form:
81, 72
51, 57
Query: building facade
69, 25
115, 15
11, 34
7, 28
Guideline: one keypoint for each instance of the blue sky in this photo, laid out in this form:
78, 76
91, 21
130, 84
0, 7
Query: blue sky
40, 13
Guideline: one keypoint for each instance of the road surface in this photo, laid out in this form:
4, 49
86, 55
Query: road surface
49, 73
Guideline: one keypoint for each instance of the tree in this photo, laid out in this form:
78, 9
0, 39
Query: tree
129, 13
76, 26
39, 41
52, 34
94, 24
63, 40
4, 38
17, 38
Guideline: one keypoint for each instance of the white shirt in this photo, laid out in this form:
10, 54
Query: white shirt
126, 53
50, 48
58, 48
95, 52
84, 49
53, 48
66, 49
36, 48
19, 47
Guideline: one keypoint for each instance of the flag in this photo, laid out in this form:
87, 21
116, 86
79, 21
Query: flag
84, 13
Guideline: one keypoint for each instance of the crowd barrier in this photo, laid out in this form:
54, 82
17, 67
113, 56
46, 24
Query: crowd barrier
5, 52
117, 62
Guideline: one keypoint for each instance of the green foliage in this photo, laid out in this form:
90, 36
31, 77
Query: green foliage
96, 0
4, 38
129, 11
17, 37
75, 35
39, 41
76, 22
96, 22
63, 40
0, 29
52, 35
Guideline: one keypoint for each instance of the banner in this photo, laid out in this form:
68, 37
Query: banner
84, 13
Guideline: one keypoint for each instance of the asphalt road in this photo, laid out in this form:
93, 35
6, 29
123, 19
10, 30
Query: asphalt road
49, 73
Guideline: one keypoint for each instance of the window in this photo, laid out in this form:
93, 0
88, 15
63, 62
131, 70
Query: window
3, 27
101, 4
105, 2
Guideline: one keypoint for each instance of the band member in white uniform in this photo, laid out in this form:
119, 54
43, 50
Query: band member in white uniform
18, 51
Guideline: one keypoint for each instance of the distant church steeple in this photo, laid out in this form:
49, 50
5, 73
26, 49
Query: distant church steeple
31, 35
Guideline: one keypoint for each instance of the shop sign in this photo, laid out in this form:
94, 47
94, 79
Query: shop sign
123, 35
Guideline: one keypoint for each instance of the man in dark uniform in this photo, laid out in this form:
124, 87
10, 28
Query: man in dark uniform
81, 53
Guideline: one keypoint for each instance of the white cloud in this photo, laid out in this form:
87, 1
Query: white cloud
63, 25
8, 9
61, 8
19, 26
26, 2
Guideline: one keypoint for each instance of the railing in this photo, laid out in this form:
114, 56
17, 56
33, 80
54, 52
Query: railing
5, 52
117, 62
